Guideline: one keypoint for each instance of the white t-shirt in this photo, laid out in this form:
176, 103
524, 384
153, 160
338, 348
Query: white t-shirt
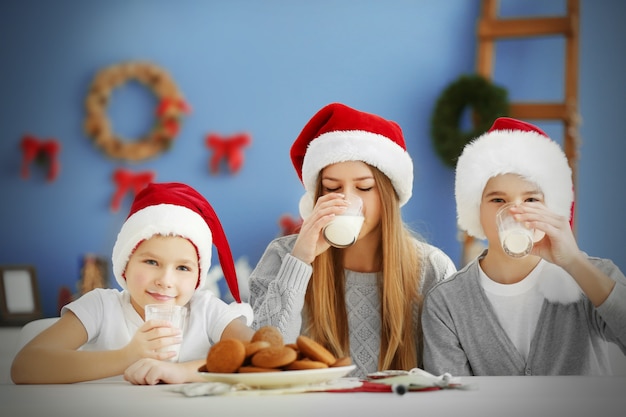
517, 306
111, 320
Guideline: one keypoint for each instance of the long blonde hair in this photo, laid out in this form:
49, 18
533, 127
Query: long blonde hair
399, 287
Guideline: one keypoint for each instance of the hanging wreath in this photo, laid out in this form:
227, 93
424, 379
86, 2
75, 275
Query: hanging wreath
487, 101
168, 115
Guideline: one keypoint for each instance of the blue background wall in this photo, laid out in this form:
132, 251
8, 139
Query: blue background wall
265, 67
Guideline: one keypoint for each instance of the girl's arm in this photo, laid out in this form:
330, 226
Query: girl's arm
277, 289
52, 357
151, 372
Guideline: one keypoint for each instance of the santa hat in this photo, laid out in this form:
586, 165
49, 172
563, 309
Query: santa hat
338, 133
511, 146
174, 209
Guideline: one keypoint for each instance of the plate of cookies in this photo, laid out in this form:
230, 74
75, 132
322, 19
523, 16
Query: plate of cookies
266, 362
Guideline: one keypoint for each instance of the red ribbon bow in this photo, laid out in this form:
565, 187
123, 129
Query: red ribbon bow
169, 110
289, 225
33, 148
127, 180
228, 148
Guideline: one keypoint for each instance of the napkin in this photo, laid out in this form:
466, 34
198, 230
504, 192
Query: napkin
197, 389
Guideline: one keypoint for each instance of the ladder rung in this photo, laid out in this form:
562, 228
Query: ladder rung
509, 28
539, 111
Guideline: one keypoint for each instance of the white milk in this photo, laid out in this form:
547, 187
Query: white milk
517, 242
343, 230
173, 313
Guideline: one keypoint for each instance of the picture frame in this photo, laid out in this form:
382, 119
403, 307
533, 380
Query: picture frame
19, 295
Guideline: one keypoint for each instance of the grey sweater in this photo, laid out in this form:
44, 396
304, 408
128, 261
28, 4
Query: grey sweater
462, 334
278, 285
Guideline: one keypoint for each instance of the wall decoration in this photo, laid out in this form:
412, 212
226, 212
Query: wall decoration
488, 102
19, 295
169, 112
126, 181
216, 280
229, 149
43, 152
93, 274
289, 225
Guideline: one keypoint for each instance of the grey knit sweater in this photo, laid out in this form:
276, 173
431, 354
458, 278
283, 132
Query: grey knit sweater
279, 282
462, 334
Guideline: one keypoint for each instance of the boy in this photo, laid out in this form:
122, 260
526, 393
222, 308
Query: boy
549, 313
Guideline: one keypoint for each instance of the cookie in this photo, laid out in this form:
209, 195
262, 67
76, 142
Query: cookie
304, 364
254, 347
250, 369
345, 361
226, 356
269, 334
274, 357
314, 351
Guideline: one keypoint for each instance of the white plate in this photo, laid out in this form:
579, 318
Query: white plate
281, 378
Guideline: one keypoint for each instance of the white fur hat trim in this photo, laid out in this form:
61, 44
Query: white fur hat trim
533, 156
165, 220
356, 145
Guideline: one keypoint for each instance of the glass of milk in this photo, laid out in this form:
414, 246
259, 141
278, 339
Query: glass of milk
173, 313
343, 230
516, 239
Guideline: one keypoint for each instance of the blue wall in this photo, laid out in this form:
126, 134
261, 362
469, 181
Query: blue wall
265, 67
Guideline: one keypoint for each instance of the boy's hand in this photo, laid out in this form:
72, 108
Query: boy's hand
559, 245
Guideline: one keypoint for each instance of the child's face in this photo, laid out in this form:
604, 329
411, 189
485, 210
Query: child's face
355, 177
500, 190
162, 270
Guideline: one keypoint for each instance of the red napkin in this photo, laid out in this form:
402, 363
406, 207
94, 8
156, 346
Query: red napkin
369, 386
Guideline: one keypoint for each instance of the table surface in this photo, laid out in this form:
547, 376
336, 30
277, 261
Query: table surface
489, 396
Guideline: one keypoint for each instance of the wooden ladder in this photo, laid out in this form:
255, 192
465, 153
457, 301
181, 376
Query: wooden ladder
492, 28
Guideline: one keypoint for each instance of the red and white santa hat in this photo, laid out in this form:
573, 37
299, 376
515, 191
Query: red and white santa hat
517, 147
175, 209
338, 133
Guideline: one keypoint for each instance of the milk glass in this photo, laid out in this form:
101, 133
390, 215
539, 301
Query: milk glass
173, 313
343, 230
516, 239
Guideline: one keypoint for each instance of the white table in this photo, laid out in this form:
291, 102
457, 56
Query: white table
491, 396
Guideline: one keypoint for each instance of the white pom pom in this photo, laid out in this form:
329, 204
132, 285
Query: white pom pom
307, 202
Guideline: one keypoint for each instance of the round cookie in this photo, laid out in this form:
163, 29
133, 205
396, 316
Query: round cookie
274, 357
226, 356
254, 347
269, 334
313, 350
345, 361
250, 369
305, 364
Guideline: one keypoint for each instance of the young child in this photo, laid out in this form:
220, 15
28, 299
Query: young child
549, 313
362, 301
161, 256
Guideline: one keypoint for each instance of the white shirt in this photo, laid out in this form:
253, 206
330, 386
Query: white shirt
111, 321
517, 306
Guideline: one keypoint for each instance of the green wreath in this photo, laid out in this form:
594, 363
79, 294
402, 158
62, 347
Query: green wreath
487, 101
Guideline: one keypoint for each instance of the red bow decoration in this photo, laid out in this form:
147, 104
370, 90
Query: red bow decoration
289, 225
228, 148
127, 180
46, 151
168, 111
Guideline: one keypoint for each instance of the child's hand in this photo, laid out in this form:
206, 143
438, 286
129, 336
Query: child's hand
559, 245
310, 241
151, 338
151, 372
